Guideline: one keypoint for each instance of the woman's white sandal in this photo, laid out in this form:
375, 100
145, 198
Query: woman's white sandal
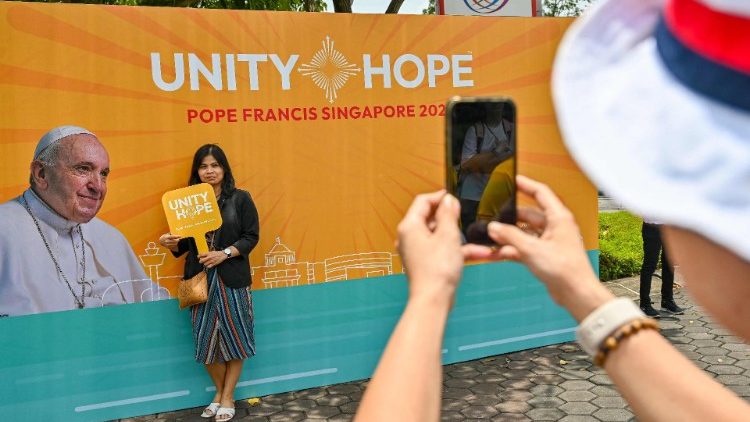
225, 411
210, 410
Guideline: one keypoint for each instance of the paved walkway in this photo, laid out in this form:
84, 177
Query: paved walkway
607, 204
556, 382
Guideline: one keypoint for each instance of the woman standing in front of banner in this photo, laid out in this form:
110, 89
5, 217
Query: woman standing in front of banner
223, 325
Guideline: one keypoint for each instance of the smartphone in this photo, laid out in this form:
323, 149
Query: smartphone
480, 139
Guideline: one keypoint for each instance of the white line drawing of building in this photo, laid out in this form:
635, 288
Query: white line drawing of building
359, 265
281, 268
136, 290
152, 260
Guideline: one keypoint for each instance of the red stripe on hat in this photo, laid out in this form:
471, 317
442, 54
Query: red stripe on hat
719, 36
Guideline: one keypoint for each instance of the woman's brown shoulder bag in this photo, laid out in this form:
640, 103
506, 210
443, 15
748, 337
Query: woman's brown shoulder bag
193, 291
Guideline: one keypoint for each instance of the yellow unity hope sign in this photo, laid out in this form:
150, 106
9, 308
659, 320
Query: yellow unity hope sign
192, 212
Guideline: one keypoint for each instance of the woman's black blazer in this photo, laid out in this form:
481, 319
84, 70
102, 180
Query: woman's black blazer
239, 228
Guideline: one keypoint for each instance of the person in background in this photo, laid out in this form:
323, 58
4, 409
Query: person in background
664, 140
653, 246
223, 325
488, 145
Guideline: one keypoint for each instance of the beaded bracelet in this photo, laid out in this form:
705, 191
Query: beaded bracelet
604, 321
610, 343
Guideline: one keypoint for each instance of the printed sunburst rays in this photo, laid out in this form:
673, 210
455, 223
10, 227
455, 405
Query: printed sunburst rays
329, 69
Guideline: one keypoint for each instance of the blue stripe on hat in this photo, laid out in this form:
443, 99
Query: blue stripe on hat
700, 74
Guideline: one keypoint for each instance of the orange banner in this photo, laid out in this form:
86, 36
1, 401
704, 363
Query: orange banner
332, 123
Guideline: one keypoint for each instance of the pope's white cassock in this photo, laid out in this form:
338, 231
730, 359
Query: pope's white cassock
109, 273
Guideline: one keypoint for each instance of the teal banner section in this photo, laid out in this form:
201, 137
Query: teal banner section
108, 363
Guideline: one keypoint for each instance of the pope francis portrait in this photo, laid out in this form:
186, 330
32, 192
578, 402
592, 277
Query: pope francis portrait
55, 254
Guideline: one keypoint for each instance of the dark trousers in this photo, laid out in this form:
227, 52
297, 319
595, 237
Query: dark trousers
652, 246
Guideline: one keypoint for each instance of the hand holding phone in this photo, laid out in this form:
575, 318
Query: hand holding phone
481, 162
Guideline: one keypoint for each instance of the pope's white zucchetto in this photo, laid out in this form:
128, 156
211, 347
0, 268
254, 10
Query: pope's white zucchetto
56, 135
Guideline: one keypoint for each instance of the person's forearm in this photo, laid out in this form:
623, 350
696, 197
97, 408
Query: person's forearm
484, 162
663, 385
180, 248
504, 155
584, 294
410, 367
233, 252
472, 164
656, 379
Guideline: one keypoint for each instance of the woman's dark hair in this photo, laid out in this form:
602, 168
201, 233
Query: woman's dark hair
227, 185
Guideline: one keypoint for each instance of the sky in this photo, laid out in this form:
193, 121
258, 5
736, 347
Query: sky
413, 7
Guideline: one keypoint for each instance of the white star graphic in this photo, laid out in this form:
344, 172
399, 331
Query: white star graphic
329, 69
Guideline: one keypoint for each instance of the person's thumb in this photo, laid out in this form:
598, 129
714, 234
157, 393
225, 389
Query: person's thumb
446, 215
506, 234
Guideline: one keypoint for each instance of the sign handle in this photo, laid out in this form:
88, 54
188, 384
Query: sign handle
200, 243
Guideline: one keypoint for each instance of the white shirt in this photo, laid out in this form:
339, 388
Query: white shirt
29, 281
495, 139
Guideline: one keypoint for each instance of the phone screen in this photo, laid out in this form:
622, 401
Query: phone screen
481, 163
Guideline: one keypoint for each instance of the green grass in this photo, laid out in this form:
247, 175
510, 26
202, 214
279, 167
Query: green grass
620, 245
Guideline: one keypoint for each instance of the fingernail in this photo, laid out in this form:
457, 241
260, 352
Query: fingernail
494, 225
451, 203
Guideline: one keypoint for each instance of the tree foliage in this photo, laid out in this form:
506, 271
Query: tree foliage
288, 5
345, 6
549, 7
339, 6
564, 7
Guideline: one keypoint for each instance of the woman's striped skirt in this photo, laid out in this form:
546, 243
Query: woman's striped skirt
223, 325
